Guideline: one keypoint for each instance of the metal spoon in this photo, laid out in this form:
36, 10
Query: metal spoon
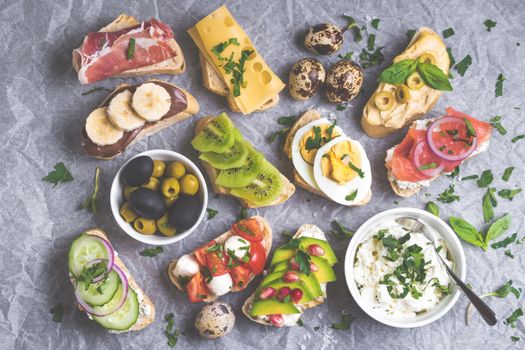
414, 225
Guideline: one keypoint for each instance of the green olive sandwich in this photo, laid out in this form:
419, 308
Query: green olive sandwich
133, 112
104, 288
296, 280
235, 168
410, 87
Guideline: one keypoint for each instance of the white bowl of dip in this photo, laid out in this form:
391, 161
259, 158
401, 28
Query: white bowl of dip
455, 254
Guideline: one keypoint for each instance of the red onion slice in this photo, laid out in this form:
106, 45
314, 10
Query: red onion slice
125, 288
431, 172
440, 154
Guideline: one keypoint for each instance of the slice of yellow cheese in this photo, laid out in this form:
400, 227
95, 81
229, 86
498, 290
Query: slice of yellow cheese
261, 84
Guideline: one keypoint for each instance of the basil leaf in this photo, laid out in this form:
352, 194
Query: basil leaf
433, 208
398, 72
485, 179
286, 120
509, 194
507, 173
467, 232
434, 77
488, 212
151, 252
498, 228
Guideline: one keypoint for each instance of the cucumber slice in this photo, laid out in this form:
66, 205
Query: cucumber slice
125, 317
108, 288
84, 249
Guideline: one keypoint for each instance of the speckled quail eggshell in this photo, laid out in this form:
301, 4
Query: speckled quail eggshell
306, 78
343, 81
324, 39
215, 320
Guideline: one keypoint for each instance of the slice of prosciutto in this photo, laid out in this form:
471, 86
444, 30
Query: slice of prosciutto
104, 54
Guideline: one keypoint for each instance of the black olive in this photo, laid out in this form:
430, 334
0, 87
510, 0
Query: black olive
147, 203
138, 171
184, 213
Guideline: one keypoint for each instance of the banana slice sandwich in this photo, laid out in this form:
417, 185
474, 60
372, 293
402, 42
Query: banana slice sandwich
132, 112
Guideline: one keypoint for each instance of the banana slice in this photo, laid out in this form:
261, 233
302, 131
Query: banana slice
121, 114
100, 130
151, 101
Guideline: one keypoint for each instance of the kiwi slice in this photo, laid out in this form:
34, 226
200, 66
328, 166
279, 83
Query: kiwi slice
217, 135
264, 188
234, 157
243, 175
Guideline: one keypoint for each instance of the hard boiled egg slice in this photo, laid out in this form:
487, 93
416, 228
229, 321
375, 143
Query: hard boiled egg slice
302, 157
342, 171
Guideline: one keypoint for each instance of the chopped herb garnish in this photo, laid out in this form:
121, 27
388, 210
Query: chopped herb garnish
515, 338
454, 172
427, 166
96, 89
315, 141
340, 230
371, 42
448, 32
505, 242
90, 203
375, 23
60, 174
173, 337
89, 273
450, 58
489, 24
448, 195
470, 177
286, 120
245, 230
485, 179
344, 325
303, 259
410, 33
513, 318
351, 196
471, 132
340, 107
495, 122
356, 169
243, 214
463, 65
371, 59
352, 24
517, 138
151, 252
487, 205
300, 323
211, 213
236, 69
507, 173
346, 56
499, 85
57, 312
131, 49
432, 208
509, 194
509, 254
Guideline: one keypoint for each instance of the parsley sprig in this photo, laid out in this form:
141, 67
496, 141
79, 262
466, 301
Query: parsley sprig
60, 174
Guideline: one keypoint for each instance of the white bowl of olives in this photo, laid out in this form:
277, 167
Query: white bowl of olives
159, 197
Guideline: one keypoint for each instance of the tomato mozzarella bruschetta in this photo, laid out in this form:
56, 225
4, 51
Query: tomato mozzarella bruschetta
433, 147
227, 263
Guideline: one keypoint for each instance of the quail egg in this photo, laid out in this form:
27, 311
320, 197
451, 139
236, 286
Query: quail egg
306, 77
215, 320
343, 81
324, 39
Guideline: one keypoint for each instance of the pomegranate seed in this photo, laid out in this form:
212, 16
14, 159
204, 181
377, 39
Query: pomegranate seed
267, 293
283, 293
296, 295
294, 265
314, 267
276, 320
315, 250
290, 276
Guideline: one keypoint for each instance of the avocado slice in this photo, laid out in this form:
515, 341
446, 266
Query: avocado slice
325, 273
278, 284
310, 281
273, 306
283, 265
329, 255
282, 254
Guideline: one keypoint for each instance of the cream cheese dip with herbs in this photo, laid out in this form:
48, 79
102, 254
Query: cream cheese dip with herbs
399, 273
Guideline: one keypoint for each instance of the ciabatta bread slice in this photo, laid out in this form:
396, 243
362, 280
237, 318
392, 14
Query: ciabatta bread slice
174, 65
266, 243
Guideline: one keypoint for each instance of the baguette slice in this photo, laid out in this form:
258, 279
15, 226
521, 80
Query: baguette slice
378, 123
318, 301
305, 118
144, 320
149, 129
213, 82
266, 243
287, 191
174, 65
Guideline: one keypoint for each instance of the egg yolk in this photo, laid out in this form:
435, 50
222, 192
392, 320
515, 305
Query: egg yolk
335, 163
309, 153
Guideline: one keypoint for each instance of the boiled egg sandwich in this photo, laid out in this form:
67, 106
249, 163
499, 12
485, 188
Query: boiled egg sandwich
328, 162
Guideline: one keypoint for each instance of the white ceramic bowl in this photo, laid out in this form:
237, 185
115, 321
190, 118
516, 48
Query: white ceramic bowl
456, 254
116, 198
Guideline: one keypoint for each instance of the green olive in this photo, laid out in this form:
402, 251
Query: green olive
427, 57
145, 226
402, 94
169, 201
127, 191
153, 184
164, 227
127, 213
170, 187
176, 170
189, 184
384, 100
158, 168
414, 81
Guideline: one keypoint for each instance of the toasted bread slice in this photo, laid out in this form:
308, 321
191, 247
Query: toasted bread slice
305, 118
145, 302
174, 65
149, 129
377, 123
212, 82
318, 301
287, 191
266, 243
